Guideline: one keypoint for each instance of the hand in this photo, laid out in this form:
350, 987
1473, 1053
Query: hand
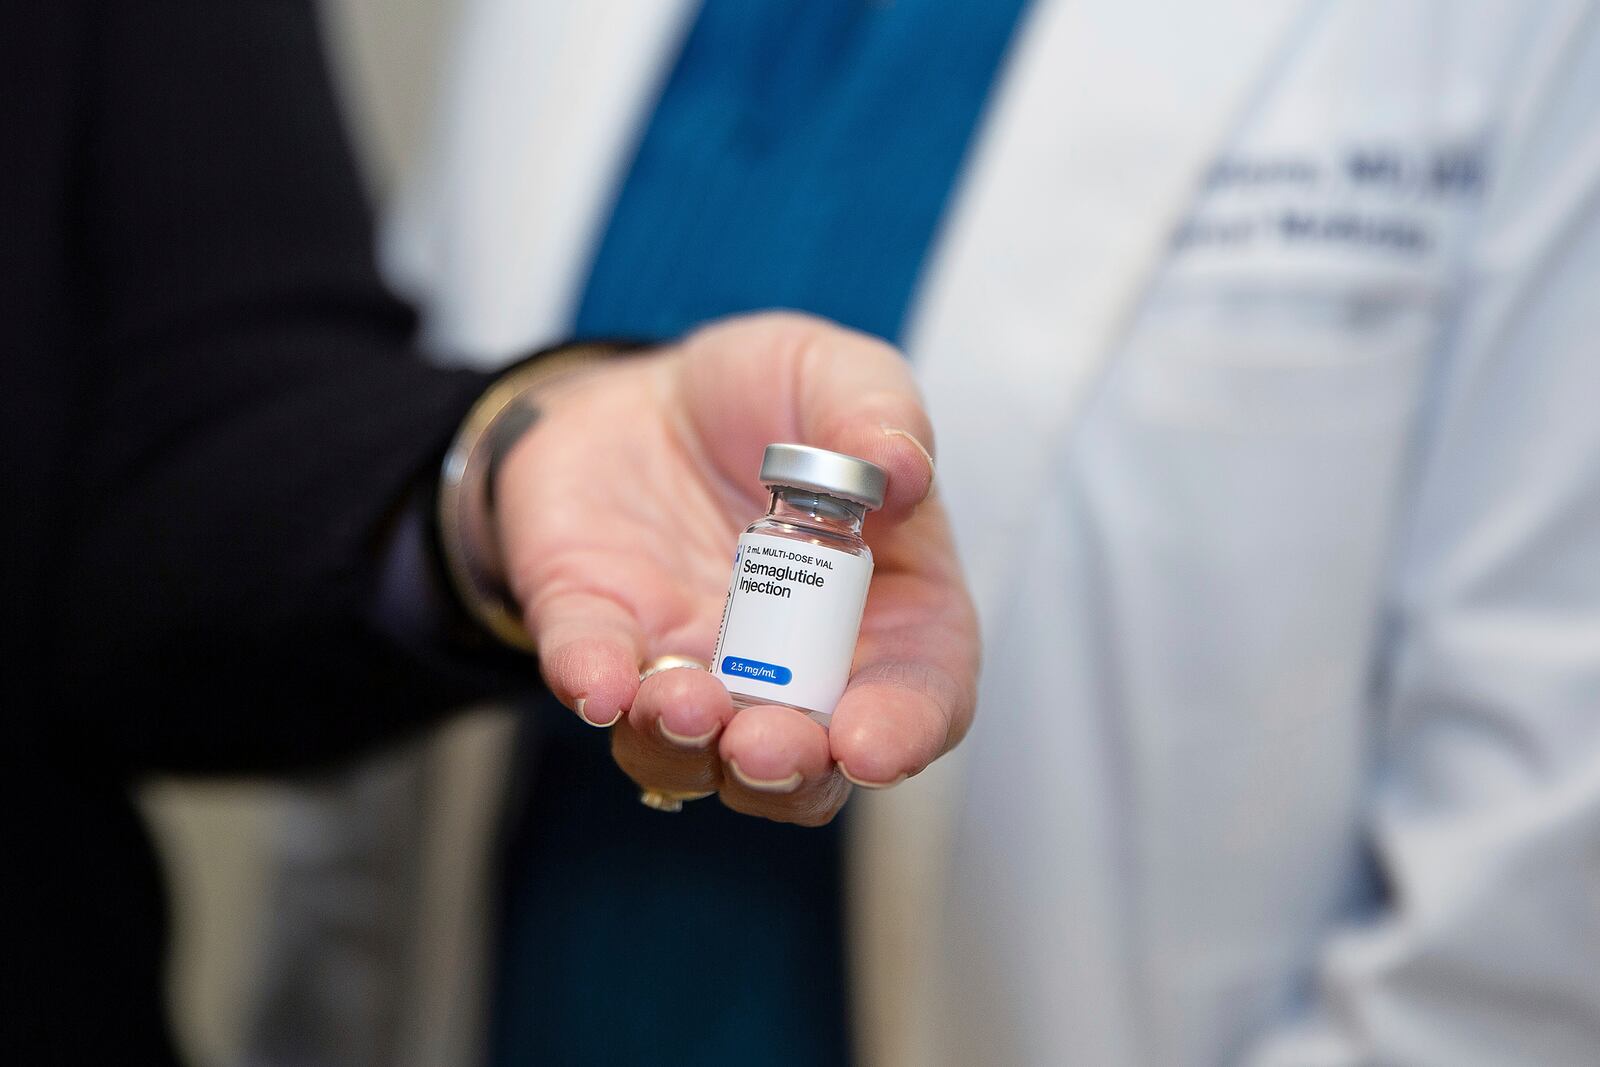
618, 514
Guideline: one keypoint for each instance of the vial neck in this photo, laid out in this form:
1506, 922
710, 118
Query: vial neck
811, 508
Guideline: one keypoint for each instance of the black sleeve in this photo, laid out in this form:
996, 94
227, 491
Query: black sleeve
252, 418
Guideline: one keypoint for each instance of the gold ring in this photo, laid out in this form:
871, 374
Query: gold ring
666, 799
669, 663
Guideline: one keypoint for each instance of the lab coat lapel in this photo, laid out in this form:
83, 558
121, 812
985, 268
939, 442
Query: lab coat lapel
1105, 121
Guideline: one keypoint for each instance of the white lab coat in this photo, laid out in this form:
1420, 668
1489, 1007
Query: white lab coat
1263, 346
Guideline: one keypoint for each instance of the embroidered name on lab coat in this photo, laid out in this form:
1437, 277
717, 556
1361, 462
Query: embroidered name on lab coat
1385, 199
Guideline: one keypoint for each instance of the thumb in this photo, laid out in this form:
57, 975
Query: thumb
832, 388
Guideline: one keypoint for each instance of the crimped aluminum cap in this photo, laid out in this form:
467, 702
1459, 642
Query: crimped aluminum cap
817, 469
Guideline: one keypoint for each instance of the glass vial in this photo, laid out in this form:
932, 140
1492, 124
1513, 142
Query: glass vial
799, 584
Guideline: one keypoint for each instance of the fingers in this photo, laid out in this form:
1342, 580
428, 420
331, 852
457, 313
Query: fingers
894, 720
914, 688
857, 396
779, 767
589, 652
669, 738
683, 737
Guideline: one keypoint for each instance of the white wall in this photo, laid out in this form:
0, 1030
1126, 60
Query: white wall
389, 54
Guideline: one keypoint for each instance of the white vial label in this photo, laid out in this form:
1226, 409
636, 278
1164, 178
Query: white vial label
790, 625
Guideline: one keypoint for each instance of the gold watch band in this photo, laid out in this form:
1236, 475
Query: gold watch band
468, 539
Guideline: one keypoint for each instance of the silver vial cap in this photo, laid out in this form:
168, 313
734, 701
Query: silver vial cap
817, 469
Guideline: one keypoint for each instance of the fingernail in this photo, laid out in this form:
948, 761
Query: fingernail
864, 784
579, 703
696, 742
895, 431
766, 785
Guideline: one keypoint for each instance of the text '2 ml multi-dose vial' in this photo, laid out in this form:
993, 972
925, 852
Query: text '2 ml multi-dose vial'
800, 582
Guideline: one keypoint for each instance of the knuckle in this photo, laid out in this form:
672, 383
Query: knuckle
816, 803
806, 808
578, 659
650, 766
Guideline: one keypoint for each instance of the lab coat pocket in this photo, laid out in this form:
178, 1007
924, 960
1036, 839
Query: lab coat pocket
1248, 458
1293, 356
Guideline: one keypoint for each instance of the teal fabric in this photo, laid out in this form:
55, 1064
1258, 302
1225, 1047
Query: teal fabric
801, 156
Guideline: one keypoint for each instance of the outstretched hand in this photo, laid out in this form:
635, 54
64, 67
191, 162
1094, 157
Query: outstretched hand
618, 516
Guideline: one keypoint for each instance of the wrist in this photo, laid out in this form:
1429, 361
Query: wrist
469, 544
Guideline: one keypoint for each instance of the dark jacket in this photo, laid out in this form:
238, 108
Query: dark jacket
209, 417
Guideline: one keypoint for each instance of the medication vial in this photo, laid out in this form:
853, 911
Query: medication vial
799, 583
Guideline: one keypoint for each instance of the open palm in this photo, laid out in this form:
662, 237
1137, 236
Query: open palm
618, 517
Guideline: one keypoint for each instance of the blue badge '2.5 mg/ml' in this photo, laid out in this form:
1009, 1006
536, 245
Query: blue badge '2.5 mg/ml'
800, 582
